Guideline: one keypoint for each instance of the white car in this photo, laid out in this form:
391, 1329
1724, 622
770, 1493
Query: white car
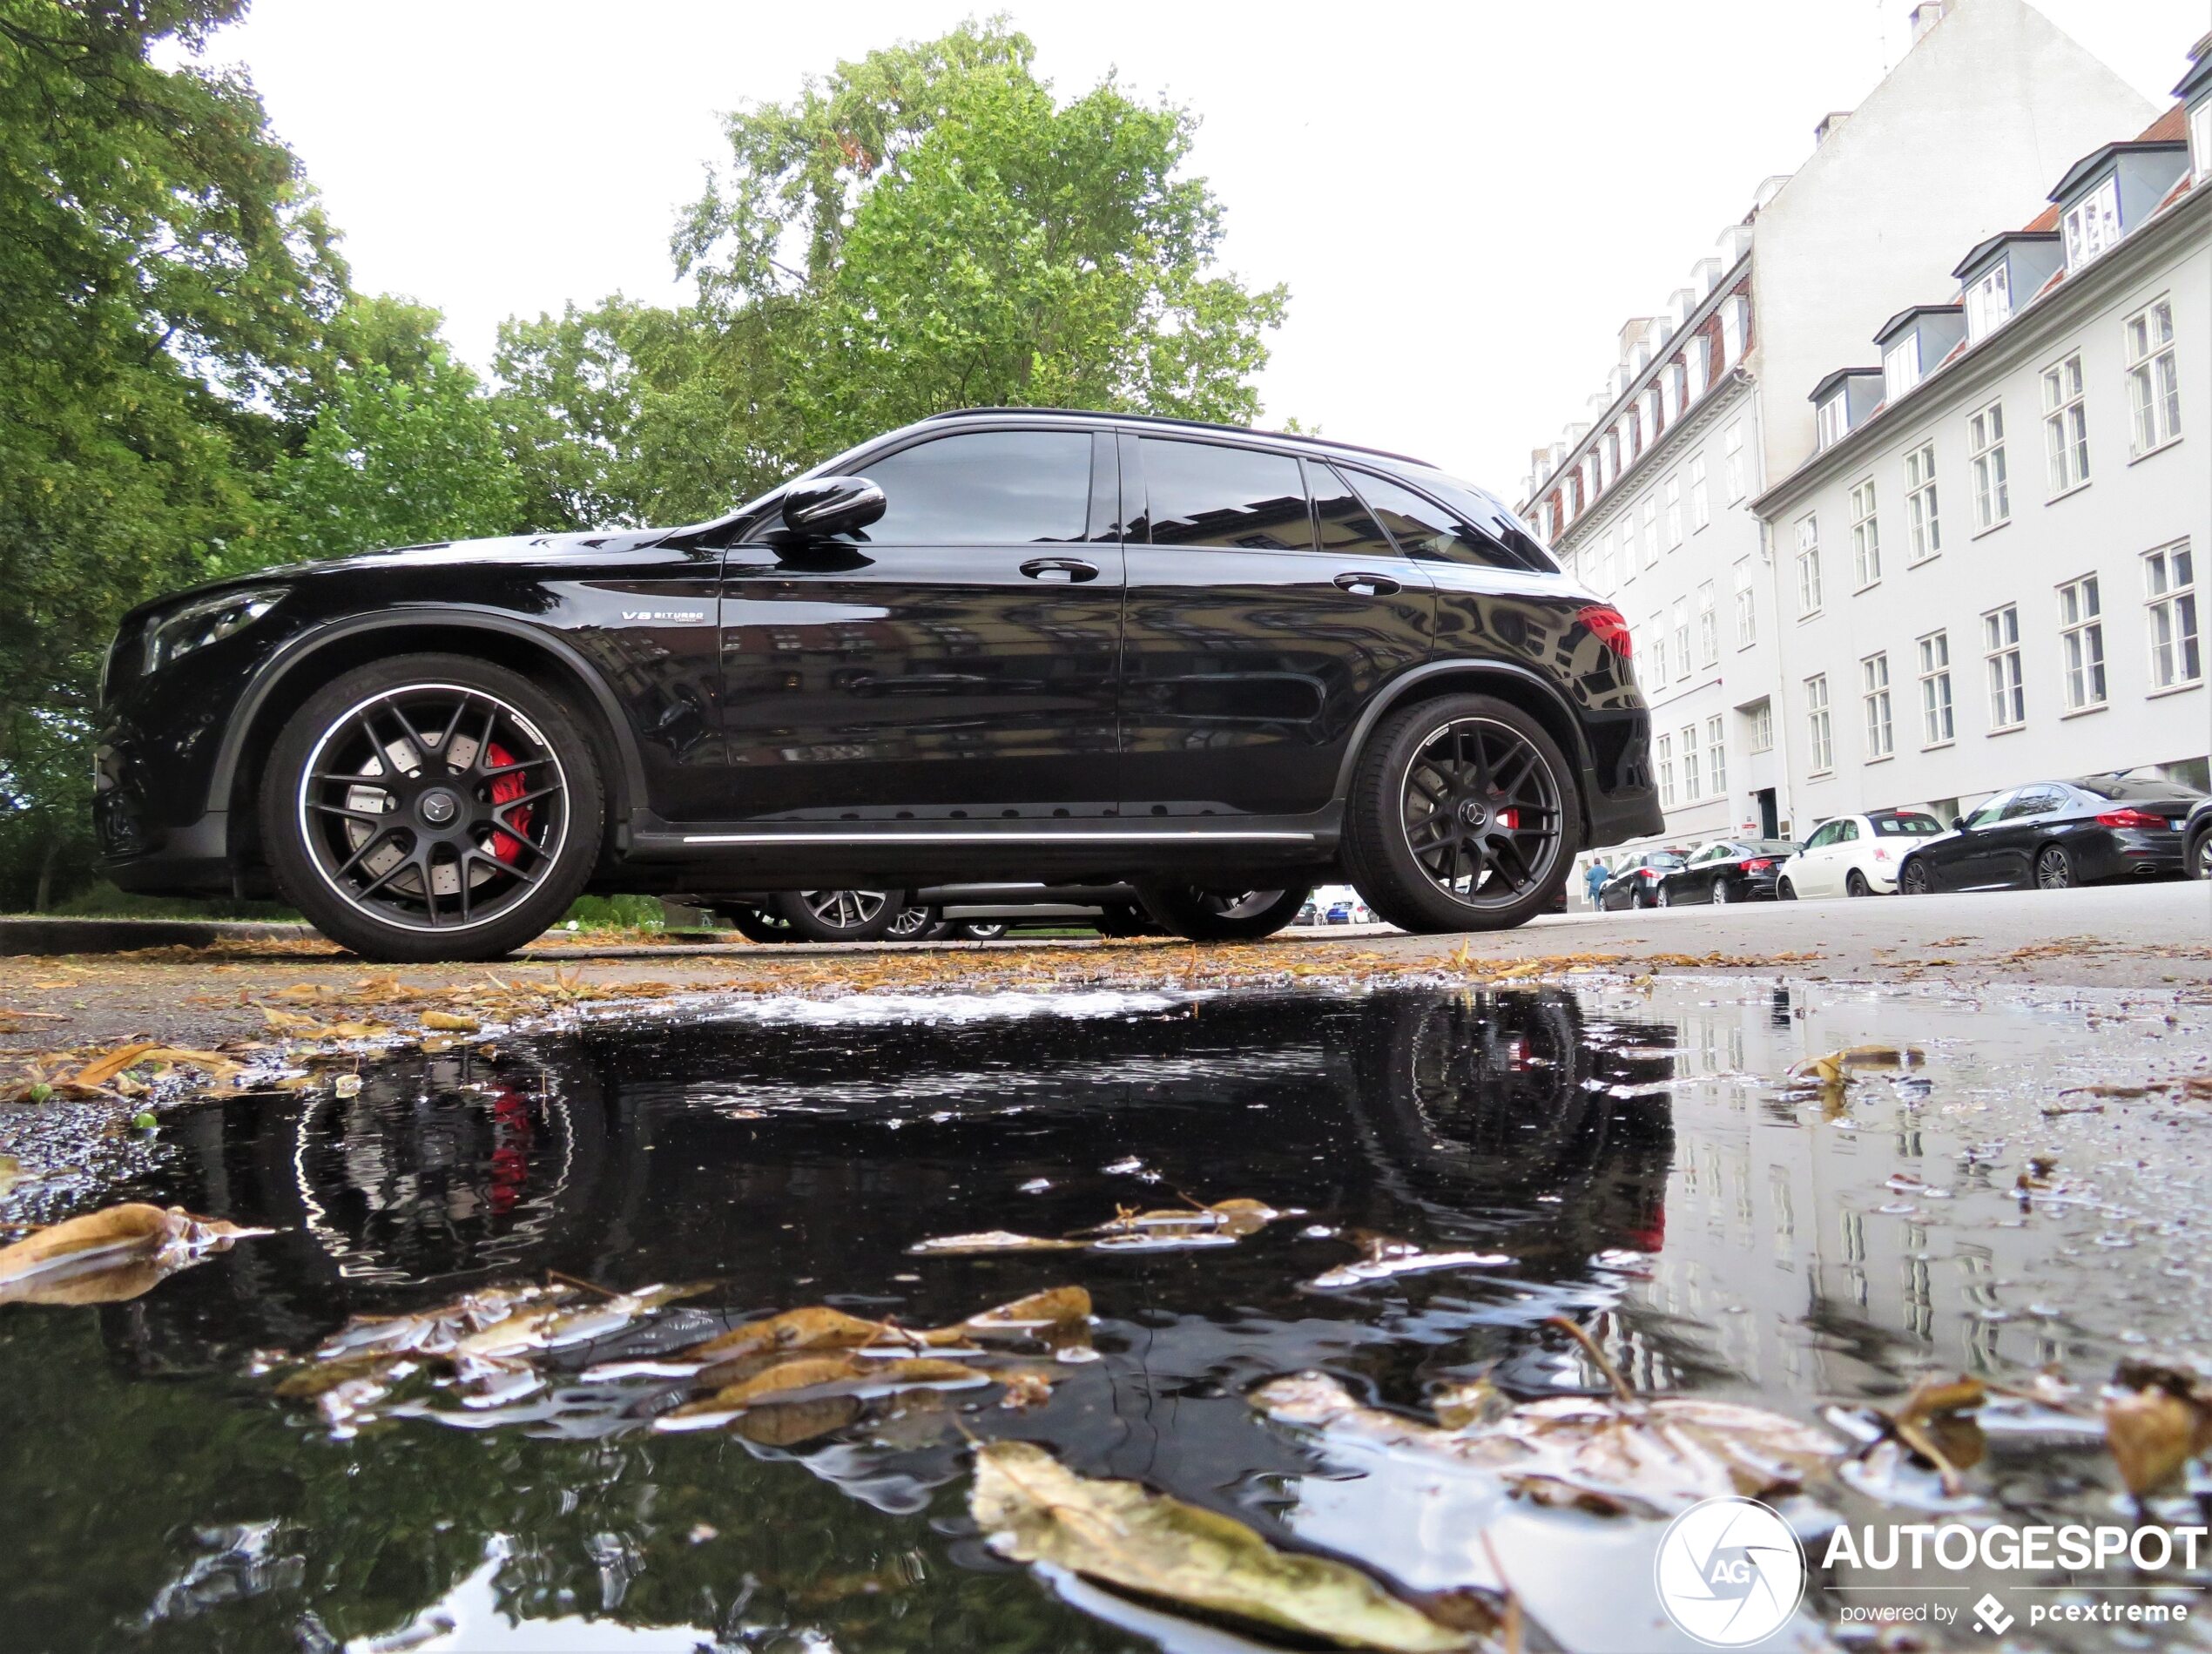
1855, 855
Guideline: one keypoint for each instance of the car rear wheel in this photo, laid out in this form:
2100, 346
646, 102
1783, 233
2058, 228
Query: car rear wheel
431, 806
1666, 897
1222, 915
1720, 893
1855, 884
841, 915
2199, 860
916, 922
1784, 891
756, 924
979, 930
2054, 867
1463, 816
1913, 880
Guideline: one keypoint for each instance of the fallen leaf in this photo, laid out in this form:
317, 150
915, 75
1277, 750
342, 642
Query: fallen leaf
1387, 1257
448, 1022
102, 1069
1032, 1509
990, 1241
1055, 1307
785, 1424
106, 1257
2152, 1434
818, 1327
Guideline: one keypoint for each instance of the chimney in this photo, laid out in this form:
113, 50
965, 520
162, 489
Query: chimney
1925, 16
1833, 123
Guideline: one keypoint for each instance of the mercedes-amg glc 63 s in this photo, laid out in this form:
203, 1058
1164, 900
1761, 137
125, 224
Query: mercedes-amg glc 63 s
998, 644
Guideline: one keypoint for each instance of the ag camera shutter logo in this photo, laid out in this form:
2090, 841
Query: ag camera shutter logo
1728, 1572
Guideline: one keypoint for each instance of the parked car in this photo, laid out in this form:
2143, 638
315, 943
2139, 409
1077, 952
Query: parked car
1854, 855
1635, 883
2052, 834
997, 642
1726, 870
2196, 836
936, 913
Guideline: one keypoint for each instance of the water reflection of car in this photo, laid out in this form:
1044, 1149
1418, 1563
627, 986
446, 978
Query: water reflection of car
1727, 870
1855, 855
2050, 835
1635, 883
937, 913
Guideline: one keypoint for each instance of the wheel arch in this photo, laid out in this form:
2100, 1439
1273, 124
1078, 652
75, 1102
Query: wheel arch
1516, 685
321, 656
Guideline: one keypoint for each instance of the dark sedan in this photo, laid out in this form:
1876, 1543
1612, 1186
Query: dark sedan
1635, 883
2197, 853
1727, 870
2053, 835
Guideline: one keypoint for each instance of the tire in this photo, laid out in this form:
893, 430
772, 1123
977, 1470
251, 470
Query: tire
980, 929
1784, 891
841, 915
916, 922
1666, 897
2198, 861
1720, 893
1463, 774
1637, 899
2053, 868
1119, 920
396, 851
1855, 884
1222, 915
756, 924
1913, 880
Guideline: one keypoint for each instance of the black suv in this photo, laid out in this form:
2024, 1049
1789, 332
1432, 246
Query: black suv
999, 644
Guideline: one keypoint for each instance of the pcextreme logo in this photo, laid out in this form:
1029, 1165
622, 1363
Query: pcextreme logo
1729, 1572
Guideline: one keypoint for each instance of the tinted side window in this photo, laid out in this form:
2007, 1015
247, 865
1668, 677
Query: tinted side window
2031, 800
985, 488
1824, 836
1427, 530
1990, 811
1200, 494
1345, 524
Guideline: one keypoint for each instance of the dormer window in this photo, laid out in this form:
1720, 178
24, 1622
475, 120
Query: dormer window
1832, 420
1901, 366
2201, 137
1989, 302
2092, 224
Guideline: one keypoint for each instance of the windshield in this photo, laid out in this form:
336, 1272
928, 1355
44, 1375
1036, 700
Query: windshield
1906, 824
1772, 846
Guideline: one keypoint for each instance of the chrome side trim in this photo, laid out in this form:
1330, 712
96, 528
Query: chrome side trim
863, 836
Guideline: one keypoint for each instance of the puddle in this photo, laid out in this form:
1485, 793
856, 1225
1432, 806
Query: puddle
1630, 1159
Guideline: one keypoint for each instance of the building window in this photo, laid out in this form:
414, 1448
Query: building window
1823, 749
1874, 688
1923, 530
1672, 491
1808, 564
2093, 223
1664, 747
1989, 302
2169, 577
1761, 714
1735, 328
2154, 390
1866, 536
1708, 625
1715, 756
1701, 499
1649, 405
1605, 564
1691, 792
1651, 530
2066, 426
1659, 656
1829, 422
2081, 643
2001, 638
1986, 449
1747, 605
1900, 368
1613, 453
2201, 137
1732, 461
1628, 545
1681, 635
1936, 725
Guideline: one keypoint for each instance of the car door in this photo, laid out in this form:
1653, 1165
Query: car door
1266, 605
1816, 873
1964, 862
2010, 848
954, 660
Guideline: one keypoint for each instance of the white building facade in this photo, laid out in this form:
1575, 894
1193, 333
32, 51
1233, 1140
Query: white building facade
1649, 498
1996, 552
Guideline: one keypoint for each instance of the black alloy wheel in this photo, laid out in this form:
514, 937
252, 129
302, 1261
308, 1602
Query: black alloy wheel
2053, 868
431, 806
1913, 879
2199, 860
1222, 915
841, 915
1721, 898
1463, 815
1855, 884
1666, 897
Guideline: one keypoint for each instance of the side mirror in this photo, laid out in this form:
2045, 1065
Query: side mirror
824, 506
1958, 824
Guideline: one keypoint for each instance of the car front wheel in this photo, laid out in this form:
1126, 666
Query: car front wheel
1784, 891
1721, 897
1222, 915
1855, 884
2053, 868
431, 806
1463, 816
2199, 861
841, 915
1666, 897
1914, 881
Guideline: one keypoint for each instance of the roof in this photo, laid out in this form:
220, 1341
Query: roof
1983, 249
1186, 424
1820, 391
2090, 164
1897, 323
2199, 78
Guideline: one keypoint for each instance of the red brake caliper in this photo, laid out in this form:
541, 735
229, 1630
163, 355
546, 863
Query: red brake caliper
505, 789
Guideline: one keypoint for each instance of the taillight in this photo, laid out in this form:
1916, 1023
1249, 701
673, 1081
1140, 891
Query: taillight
2130, 819
1607, 626
1881, 853
1648, 872
1760, 866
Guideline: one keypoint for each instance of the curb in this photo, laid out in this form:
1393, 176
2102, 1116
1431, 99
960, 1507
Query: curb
43, 935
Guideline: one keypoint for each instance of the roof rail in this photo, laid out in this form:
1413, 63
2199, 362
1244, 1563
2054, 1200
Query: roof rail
1188, 424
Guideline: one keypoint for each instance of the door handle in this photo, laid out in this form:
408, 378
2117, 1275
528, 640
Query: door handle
1367, 585
1069, 570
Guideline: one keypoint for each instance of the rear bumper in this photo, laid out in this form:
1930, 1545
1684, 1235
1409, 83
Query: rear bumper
153, 860
2135, 853
1625, 812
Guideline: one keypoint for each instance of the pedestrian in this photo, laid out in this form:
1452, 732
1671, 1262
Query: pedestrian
1596, 876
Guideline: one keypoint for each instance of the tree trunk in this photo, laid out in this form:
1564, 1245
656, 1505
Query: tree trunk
45, 895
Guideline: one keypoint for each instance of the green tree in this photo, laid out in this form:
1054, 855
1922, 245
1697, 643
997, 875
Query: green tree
403, 450
166, 284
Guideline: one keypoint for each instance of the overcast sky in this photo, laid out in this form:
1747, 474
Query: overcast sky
1466, 200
